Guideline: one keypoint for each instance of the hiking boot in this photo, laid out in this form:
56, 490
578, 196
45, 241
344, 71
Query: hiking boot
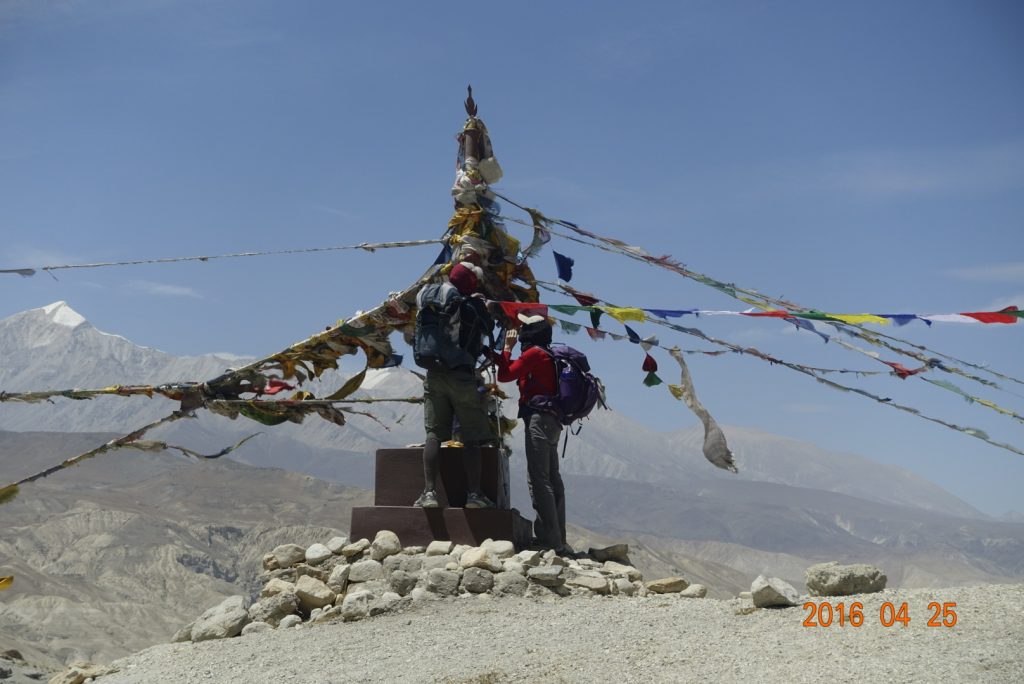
475, 500
428, 499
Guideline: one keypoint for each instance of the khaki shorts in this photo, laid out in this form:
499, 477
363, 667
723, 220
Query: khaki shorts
451, 394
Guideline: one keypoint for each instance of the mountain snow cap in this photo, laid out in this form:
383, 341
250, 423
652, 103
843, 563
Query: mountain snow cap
62, 314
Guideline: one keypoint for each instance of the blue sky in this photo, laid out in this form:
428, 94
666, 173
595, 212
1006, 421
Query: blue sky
852, 157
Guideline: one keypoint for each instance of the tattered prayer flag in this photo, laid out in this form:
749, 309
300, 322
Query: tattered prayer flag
650, 364
595, 317
768, 314
949, 318
275, 385
624, 313
648, 342
616, 337
595, 334
860, 318
652, 379
445, 256
582, 297
1004, 316
571, 328
901, 319
677, 391
513, 309
902, 371
568, 309
633, 336
807, 325
564, 265
670, 313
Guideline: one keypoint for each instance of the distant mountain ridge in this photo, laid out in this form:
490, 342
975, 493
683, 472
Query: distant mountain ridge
55, 347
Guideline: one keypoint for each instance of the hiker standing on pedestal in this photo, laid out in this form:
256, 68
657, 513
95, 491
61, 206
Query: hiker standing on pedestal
451, 325
534, 372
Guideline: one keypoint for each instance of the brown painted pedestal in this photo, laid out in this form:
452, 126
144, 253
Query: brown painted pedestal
398, 480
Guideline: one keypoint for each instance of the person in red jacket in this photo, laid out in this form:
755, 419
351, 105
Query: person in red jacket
534, 372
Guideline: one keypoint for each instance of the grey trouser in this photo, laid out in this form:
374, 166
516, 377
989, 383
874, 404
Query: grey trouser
546, 488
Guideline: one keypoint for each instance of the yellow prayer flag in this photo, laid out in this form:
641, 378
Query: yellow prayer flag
6, 582
676, 391
624, 313
859, 318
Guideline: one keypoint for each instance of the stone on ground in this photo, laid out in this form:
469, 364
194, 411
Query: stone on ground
480, 557
477, 580
313, 593
768, 592
224, 620
288, 555
667, 585
832, 579
385, 544
317, 554
694, 591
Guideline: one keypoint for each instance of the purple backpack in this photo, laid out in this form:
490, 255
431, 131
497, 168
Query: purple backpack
578, 391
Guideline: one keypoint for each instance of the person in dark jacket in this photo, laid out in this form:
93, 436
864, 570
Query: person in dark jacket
534, 372
450, 393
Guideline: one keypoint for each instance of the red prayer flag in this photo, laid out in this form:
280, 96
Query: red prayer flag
769, 314
274, 386
1007, 315
512, 309
902, 371
650, 364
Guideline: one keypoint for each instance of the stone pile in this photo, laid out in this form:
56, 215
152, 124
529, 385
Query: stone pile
351, 580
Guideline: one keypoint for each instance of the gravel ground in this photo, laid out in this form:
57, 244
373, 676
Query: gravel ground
654, 639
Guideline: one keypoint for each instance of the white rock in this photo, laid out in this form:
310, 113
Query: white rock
624, 586
317, 554
502, 548
313, 593
420, 594
594, 582
336, 544
385, 544
459, 549
365, 570
224, 620
627, 571
772, 591
414, 550
530, 559
288, 555
338, 579
694, 591
439, 548
480, 557
513, 565
289, 621
355, 548
272, 609
277, 586
356, 605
